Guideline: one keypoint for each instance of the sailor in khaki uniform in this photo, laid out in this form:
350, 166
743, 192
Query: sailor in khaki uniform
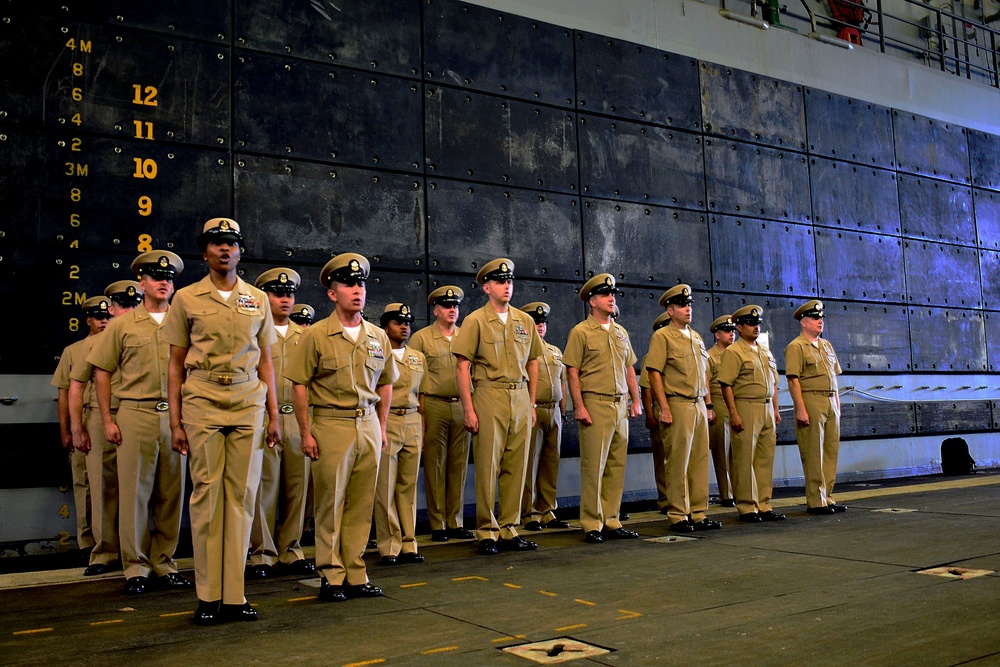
284, 477
220, 383
343, 369
599, 366
97, 318
748, 376
86, 424
501, 347
812, 368
446, 442
538, 502
302, 314
719, 434
677, 363
651, 411
396, 495
150, 474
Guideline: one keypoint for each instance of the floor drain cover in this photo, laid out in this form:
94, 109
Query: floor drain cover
955, 572
894, 510
668, 539
553, 651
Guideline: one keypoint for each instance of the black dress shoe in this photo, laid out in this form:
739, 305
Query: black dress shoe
372, 544
820, 510
619, 534
330, 593
98, 568
728, 502
439, 535
682, 527
136, 585
259, 571
410, 558
624, 516
593, 537
516, 544
172, 581
487, 547
368, 590
239, 612
300, 568
771, 515
533, 526
750, 517
461, 533
838, 508
388, 560
207, 613
555, 524
706, 524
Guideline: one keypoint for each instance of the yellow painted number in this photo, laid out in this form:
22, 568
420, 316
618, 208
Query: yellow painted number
144, 95
74, 324
145, 206
145, 243
75, 194
74, 219
144, 168
64, 511
63, 538
143, 129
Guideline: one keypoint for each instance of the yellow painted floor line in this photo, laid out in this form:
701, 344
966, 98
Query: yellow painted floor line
472, 578
628, 614
586, 602
443, 649
304, 598
549, 593
33, 632
376, 661
110, 622
508, 639
513, 586
422, 583
570, 627
177, 613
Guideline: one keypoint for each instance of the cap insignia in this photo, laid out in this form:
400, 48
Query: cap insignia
164, 262
450, 292
404, 310
355, 266
224, 225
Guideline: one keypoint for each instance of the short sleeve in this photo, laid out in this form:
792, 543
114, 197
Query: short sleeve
175, 325
466, 343
729, 367
575, 344
656, 358
301, 364
793, 359
107, 351
267, 335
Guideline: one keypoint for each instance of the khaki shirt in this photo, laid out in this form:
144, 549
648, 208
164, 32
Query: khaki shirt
83, 371
406, 389
681, 360
643, 380
280, 352
499, 352
220, 336
338, 372
813, 363
551, 374
714, 359
133, 343
440, 363
60, 379
600, 356
749, 369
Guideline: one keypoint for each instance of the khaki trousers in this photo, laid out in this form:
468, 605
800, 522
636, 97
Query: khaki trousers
603, 450
284, 481
81, 499
226, 442
687, 463
102, 477
344, 478
446, 462
396, 494
500, 450
719, 439
149, 473
819, 444
660, 453
538, 501
753, 456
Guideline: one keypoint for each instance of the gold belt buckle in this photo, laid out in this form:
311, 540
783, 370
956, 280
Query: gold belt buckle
286, 409
225, 380
360, 412
162, 406
511, 385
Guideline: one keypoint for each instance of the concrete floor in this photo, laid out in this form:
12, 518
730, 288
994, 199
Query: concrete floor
839, 590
